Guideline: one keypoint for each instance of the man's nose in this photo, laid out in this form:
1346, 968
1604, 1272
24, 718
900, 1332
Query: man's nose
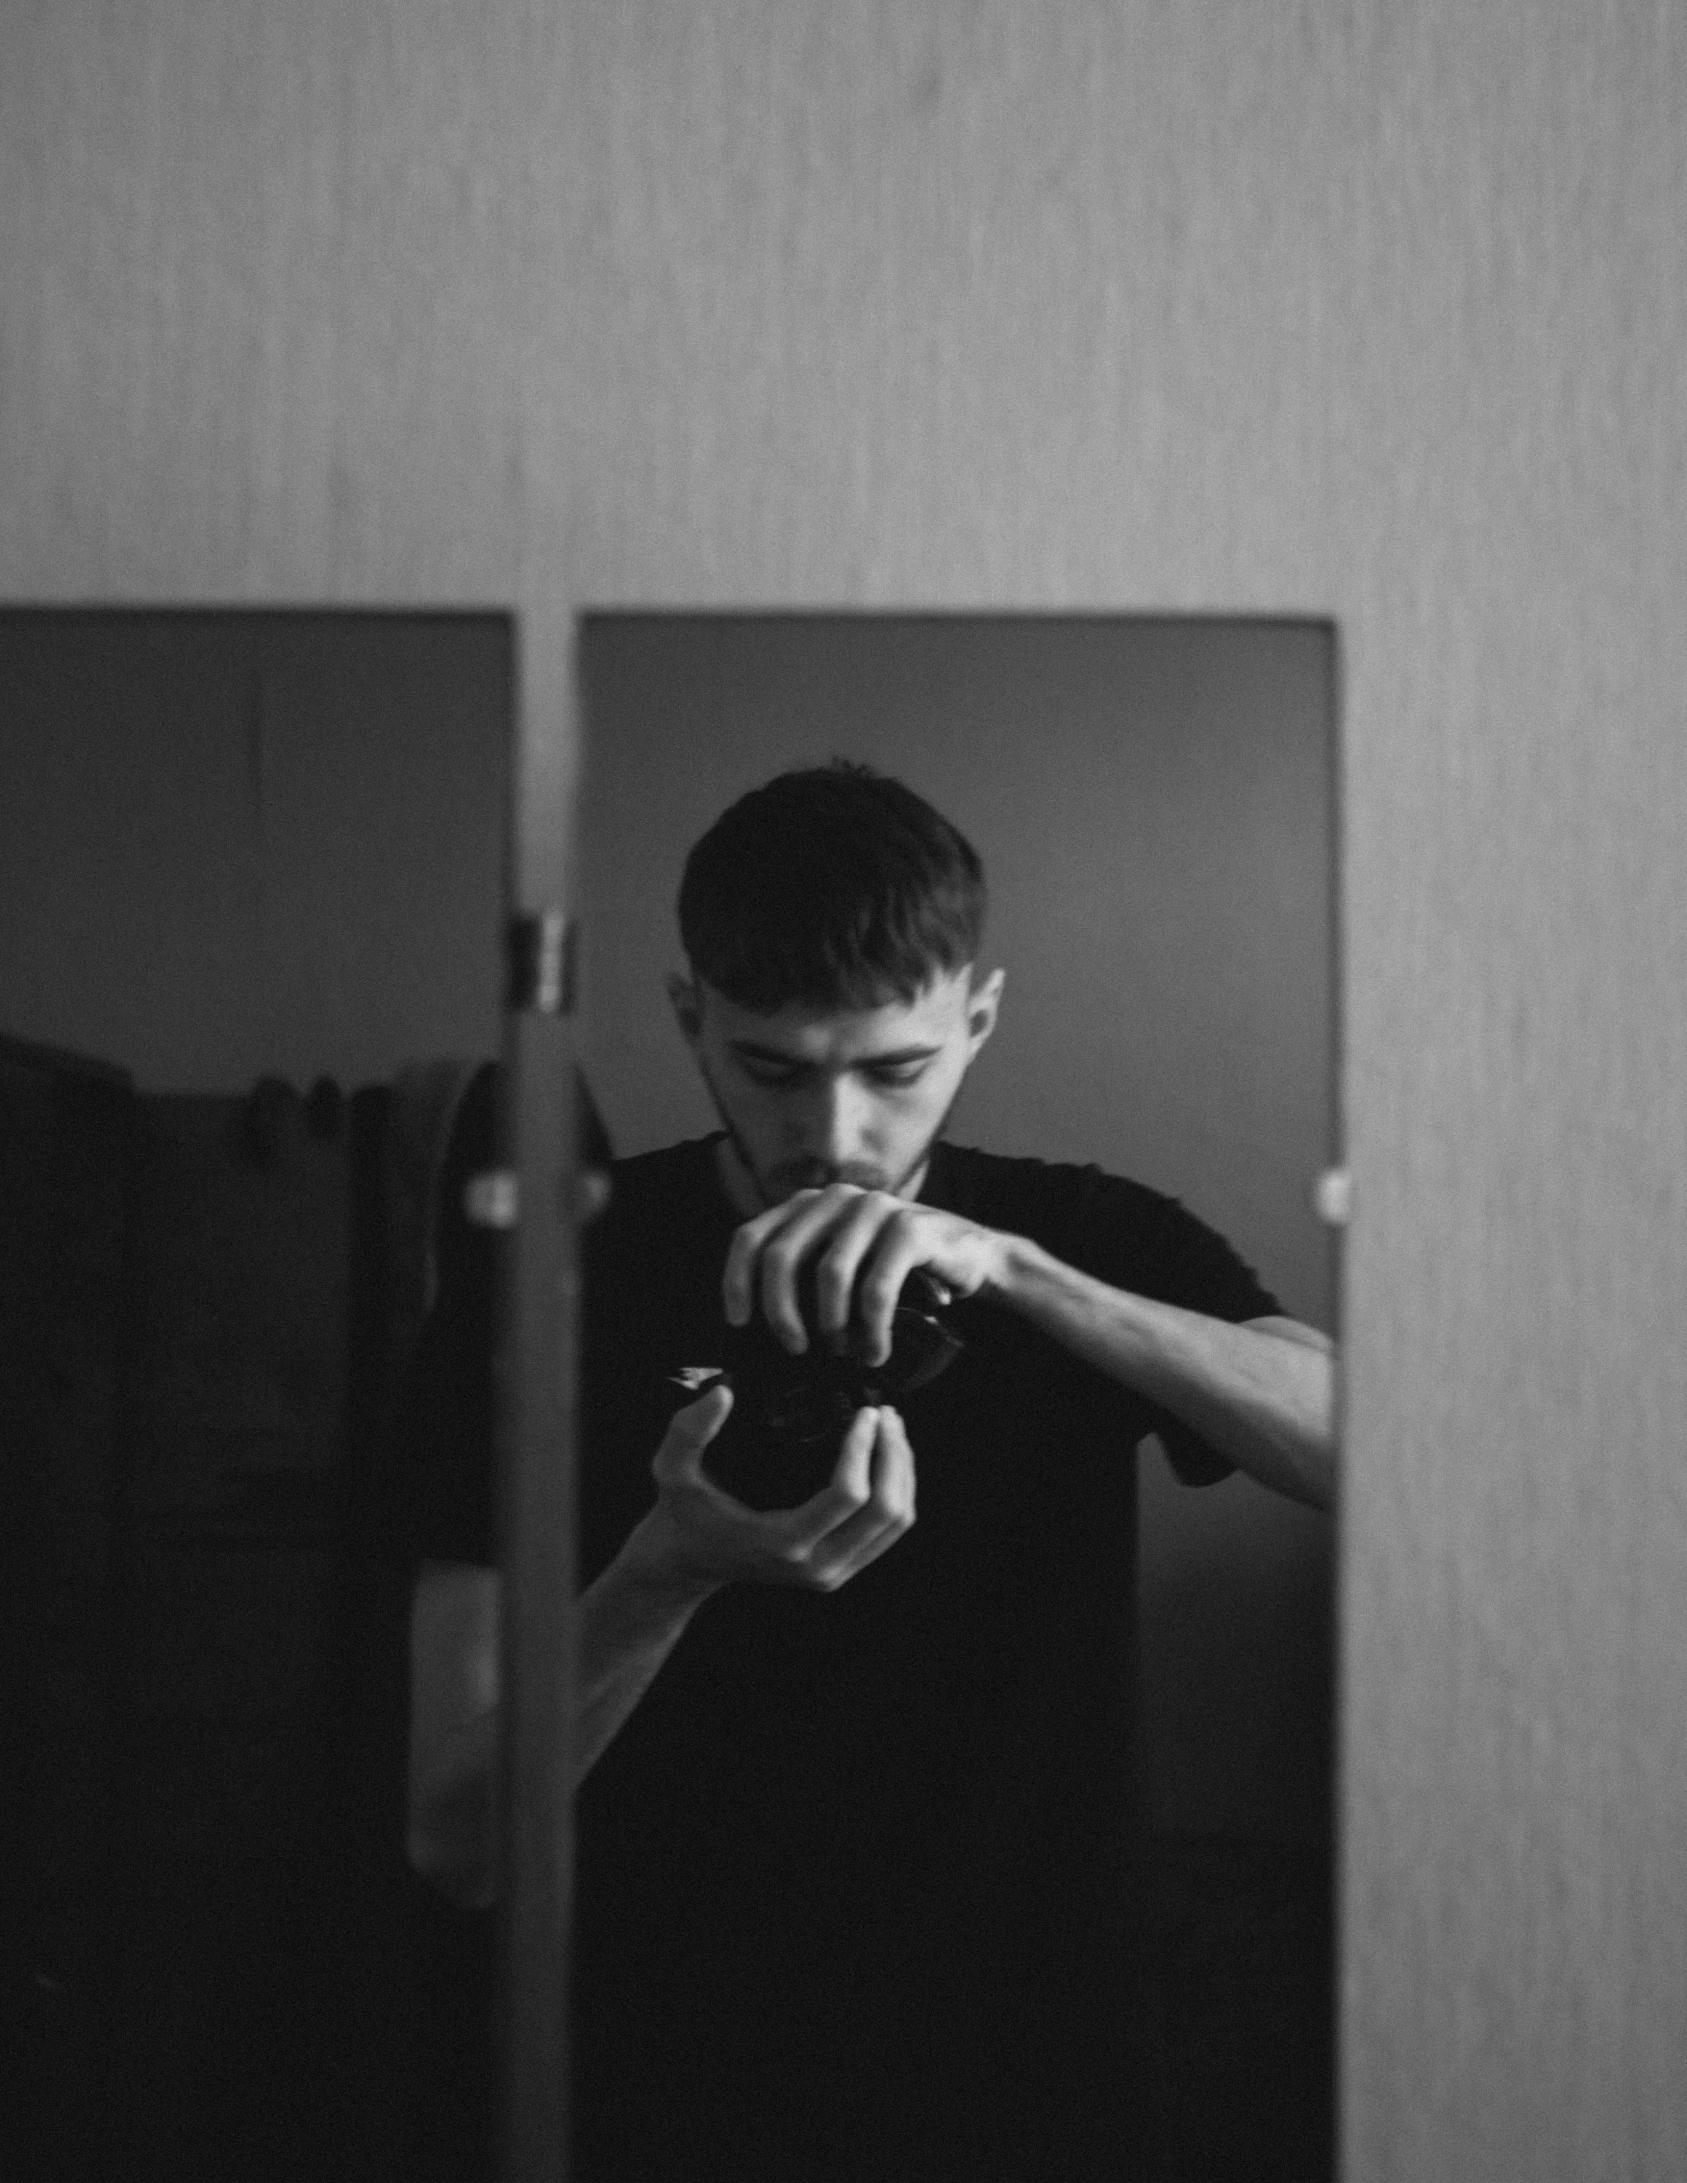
835, 1122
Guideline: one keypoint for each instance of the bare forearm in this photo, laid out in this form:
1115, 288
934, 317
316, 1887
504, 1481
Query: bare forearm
1263, 1397
629, 1621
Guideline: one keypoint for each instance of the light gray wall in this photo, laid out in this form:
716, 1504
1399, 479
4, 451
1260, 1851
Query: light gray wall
1371, 311
1152, 804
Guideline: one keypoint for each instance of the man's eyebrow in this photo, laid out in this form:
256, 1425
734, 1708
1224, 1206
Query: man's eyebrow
747, 1049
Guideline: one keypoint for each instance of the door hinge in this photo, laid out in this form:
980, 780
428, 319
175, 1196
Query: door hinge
540, 950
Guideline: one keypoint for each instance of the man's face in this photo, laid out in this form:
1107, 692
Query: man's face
812, 1097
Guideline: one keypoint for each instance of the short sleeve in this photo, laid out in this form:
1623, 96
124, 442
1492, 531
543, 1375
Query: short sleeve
1153, 1246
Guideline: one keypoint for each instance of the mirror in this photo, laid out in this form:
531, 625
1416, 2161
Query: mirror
1152, 802
237, 849
242, 848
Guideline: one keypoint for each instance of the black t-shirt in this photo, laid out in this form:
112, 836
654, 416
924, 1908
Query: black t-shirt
853, 1880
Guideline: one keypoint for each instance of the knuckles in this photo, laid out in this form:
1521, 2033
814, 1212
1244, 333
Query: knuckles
771, 1250
780, 1260
831, 1283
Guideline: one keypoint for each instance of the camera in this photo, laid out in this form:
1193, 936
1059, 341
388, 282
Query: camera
789, 1413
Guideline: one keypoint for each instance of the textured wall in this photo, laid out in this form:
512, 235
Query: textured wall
1375, 311
275, 328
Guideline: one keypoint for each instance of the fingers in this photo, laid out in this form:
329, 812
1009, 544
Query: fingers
781, 1261
862, 1511
689, 1432
868, 1506
739, 1281
889, 1513
881, 1285
881, 1244
844, 1226
834, 1277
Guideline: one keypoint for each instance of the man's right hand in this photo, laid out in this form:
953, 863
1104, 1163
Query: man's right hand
698, 1537
693, 1541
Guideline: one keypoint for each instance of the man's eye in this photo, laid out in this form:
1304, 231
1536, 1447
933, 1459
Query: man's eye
772, 1079
908, 1073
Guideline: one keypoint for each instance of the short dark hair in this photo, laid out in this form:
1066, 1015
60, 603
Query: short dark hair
834, 887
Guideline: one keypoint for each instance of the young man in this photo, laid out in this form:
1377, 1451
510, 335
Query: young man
854, 1877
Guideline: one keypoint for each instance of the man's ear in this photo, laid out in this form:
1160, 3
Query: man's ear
982, 1004
686, 1000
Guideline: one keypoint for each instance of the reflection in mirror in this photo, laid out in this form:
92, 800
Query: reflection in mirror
935, 1870
997, 1844
251, 885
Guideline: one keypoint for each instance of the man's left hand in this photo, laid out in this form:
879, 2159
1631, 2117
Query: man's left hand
862, 1246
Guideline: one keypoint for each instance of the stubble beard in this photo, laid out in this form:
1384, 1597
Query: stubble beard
774, 1185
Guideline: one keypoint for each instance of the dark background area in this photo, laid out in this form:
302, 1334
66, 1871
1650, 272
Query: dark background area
251, 865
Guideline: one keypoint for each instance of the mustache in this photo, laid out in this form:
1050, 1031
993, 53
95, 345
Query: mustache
792, 1175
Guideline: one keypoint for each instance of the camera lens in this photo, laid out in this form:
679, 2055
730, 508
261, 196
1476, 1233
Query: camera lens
789, 1414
